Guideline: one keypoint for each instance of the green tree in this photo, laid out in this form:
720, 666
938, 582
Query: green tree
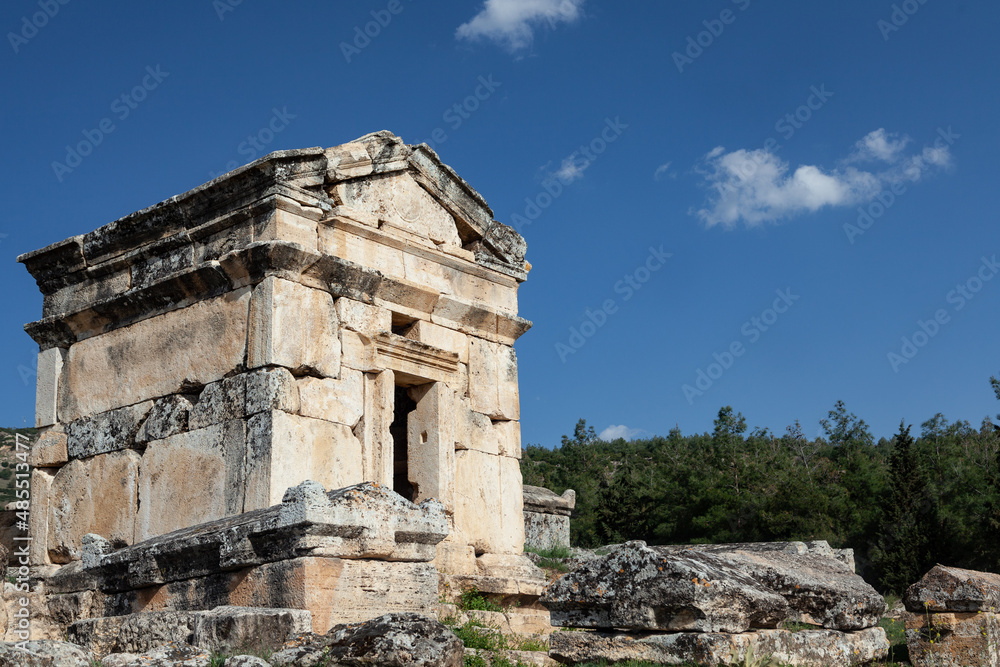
901, 553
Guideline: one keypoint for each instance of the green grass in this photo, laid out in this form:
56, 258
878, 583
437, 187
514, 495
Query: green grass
551, 552
473, 600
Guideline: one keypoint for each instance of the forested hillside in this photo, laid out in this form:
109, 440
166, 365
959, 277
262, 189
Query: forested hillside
903, 503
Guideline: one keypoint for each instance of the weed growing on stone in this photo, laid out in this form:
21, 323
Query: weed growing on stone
473, 600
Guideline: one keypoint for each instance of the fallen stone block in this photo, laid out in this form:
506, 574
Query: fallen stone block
392, 640
43, 653
223, 628
170, 655
953, 639
723, 588
813, 648
945, 589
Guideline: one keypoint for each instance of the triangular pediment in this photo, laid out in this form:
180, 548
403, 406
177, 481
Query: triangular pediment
409, 187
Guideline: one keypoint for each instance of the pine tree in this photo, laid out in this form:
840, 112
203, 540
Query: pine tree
901, 552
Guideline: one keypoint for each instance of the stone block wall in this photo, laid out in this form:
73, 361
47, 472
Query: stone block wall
199, 357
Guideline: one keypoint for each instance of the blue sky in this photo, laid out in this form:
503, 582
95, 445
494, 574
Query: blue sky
726, 203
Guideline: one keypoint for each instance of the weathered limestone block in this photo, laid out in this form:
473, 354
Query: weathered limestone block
198, 475
544, 501
284, 450
953, 639
288, 222
49, 450
718, 588
96, 495
455, 558
222, 628
43, 653
642, 588
271, 389
493, 379
813, 648
398, 200
362, 317
107, 431
545, 531
431, 457
219, 402
169, 416
392, 640
953, 589
359, 351
821, 590
440, 337
38, 521
510, 537
293, 326
155, 357
341, 401
474, 430
508, 438
373, 428
168, 655
358, 522
488, 486
163, 259
49, 372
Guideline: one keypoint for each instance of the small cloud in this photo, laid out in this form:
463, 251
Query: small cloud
662, 170
757, 186
512, 22
620, 431
572, 168
879, 145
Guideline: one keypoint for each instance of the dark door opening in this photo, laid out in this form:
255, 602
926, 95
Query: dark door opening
403, 405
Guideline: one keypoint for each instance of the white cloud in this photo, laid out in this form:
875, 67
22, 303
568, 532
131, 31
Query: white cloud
879, 146
620, 431
757, 186
662, 170
572, 168
512, 22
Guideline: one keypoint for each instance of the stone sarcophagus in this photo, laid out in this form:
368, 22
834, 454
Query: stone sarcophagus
342, 315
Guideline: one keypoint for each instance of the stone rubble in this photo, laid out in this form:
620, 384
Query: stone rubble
713, 603
953, 619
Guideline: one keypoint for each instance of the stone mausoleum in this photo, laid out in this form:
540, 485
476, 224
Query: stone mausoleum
341, 315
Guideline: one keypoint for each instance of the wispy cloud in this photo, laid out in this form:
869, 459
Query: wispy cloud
620, 431
572, 168
663, 171
758, 187
512, 22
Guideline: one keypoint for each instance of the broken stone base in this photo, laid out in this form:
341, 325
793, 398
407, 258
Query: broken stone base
346, 556
806, 648
953, 639
223, 628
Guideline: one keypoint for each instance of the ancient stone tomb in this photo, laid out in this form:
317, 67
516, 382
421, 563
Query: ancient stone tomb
342, 315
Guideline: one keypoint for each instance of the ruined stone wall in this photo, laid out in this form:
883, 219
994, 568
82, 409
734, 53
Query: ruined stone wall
201, 356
